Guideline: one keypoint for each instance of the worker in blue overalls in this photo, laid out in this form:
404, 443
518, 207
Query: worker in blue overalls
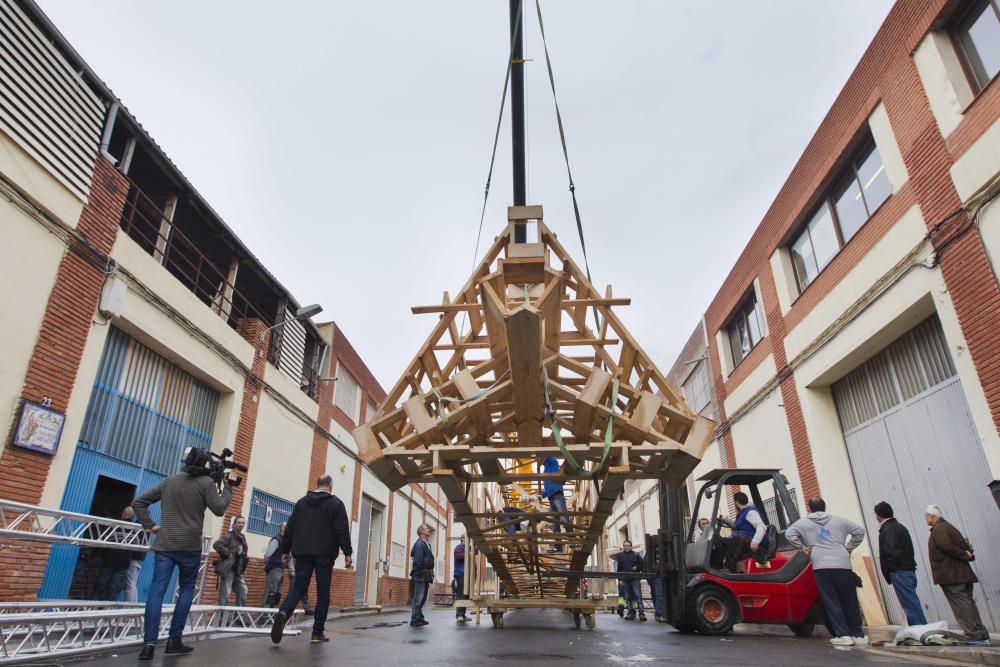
553, 492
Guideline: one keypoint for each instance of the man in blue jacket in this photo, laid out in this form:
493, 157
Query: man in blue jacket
553, 492
421, 574
630, 561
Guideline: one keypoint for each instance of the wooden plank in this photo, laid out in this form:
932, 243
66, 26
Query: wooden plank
494, 312
523, 270
479, 410
426, 426
446, 308
519, 213
646, 410
526, 250
586, 403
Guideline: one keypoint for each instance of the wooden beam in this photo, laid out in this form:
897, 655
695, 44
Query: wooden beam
524, 351
371, 453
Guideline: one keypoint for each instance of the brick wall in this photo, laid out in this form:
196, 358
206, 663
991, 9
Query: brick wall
52, 370
885, 73
254, 332
393, 590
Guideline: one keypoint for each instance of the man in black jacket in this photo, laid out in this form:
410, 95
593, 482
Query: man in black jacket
895, 555
630, 561
316, 533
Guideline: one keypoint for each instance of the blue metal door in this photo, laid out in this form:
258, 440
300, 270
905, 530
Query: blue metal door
143, 412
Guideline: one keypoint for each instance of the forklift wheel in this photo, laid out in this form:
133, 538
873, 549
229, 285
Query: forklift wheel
802, 629
685, 628
713, 610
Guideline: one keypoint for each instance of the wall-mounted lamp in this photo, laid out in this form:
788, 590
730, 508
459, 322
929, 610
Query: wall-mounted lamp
303, 313
330, 379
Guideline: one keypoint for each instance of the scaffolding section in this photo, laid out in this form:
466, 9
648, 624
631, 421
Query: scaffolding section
480, 409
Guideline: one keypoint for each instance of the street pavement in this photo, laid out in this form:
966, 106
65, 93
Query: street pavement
529, 637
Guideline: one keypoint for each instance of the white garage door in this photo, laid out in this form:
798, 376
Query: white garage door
912, 443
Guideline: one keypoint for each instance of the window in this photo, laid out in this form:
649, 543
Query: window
977, 33
855, 198
746, 329
267, 512
695, 388
345, 393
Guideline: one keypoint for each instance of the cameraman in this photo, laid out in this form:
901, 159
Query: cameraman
183, 499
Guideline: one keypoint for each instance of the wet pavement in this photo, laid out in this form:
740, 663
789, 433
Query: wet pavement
529, 637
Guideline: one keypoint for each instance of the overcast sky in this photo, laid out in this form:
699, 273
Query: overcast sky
347, 143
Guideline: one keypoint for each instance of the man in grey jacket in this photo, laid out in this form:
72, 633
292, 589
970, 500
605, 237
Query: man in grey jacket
828, 541
183, 500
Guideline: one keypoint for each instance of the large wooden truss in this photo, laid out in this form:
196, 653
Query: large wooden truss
511, 365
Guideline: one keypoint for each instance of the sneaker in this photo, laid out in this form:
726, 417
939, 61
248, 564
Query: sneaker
316, 639
861, 641
176, 646
630, 617
424, 621
642, 618
278, 626
147, 652
660, 619
842, 641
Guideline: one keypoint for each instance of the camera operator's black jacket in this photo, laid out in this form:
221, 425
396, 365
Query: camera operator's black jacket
318, 528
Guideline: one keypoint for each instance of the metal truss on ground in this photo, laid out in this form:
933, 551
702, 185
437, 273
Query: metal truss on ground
32, 631
32, 523
19, 521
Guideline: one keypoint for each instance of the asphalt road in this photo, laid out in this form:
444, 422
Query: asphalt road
529, 637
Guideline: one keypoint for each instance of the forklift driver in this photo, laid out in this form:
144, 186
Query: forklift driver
749, 534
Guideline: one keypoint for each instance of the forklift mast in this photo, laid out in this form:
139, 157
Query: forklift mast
665, 550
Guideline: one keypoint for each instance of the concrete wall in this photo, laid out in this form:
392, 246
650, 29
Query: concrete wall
29, 260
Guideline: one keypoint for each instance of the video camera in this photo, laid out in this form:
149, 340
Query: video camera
214, 465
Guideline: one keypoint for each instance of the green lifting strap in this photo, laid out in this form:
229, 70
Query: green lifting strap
557, 433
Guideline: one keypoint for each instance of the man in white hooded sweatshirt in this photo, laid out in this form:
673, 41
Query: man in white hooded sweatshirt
824, 538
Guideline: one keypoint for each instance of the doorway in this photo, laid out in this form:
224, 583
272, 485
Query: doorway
376, 550
111, 497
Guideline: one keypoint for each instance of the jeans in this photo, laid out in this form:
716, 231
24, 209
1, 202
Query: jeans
227, 582
304, 568
904, 583
420, 589
839, 594
656, 590
132, 580
110, 582
557, 503
272, 587
163, 568
633, 594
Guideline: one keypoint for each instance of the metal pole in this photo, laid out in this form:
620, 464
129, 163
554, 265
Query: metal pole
517, 112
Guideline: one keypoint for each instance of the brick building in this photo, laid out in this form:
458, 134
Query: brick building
853, 344
137, 323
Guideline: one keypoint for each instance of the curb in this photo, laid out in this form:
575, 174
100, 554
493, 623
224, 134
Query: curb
971, 655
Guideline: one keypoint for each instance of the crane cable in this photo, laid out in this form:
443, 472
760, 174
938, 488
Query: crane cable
569, 172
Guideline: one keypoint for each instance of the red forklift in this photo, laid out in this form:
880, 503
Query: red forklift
700, 596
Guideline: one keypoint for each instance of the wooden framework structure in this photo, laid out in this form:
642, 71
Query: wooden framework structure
481, 406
